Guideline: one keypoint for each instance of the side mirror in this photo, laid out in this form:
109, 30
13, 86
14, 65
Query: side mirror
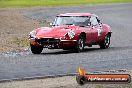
51, 24
89, 24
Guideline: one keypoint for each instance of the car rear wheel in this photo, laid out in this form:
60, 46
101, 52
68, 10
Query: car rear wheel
105, 43
36, 49
80, 44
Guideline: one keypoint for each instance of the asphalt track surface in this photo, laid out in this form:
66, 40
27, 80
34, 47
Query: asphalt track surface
53, 62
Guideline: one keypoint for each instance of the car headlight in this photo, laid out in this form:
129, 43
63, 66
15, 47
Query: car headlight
33, 33
71, 34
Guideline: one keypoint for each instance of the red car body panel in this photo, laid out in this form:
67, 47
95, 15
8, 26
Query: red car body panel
54, 32
76, 14
94, 34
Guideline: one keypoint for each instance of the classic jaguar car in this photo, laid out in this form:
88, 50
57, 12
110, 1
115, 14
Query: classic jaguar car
71, 31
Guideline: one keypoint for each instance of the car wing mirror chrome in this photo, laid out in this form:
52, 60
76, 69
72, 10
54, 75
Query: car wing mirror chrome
89, 24
51, 24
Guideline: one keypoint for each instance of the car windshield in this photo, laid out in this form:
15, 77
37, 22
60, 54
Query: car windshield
72, 20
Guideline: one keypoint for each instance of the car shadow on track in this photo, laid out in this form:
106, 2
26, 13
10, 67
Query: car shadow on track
87, 50
70, 51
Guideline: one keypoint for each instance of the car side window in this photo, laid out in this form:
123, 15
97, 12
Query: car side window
93, 21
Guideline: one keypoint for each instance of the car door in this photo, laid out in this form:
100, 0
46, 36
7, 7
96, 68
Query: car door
99, 28
95, 29
86, 28
88, 32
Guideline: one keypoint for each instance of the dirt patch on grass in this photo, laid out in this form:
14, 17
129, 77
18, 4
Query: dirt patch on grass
14, 30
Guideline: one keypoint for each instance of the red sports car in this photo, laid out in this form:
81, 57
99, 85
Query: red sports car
71, 31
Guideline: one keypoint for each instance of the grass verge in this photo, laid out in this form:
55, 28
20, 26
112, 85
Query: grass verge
31, 3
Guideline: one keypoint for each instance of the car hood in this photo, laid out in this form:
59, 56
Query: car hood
53, 32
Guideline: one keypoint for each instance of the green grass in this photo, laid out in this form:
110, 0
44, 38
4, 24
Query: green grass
31, 3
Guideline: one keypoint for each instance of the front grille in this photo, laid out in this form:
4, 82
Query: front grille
48, 41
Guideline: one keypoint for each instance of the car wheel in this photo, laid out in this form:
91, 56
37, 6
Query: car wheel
36, 49
79, 45
105, 43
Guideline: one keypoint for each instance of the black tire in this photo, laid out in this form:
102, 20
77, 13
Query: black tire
105, 43
80, 44
36, 49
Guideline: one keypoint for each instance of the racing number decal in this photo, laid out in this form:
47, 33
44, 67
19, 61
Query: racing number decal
99, 32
